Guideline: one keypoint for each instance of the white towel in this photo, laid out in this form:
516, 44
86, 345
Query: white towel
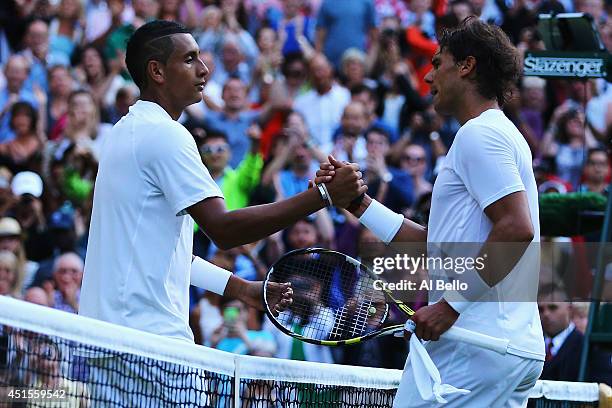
425, 372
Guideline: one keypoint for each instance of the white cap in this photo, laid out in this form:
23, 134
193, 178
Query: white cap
27, 182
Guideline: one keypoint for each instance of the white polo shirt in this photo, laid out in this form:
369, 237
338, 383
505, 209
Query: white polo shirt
137, 269
488, 160
322, 113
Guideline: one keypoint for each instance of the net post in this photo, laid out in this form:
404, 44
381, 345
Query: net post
237, 382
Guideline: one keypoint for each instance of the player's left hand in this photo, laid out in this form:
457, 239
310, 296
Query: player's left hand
280, 296
433, 320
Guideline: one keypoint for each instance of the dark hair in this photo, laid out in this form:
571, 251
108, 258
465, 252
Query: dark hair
290, 58
214, 134
497, 60
152, 41
379, 130
24, 107
232, 77
56, 67
562, 136
360, 88
79, 56
595, 150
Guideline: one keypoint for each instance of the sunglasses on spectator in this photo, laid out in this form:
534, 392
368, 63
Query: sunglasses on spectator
418, 159
215, 149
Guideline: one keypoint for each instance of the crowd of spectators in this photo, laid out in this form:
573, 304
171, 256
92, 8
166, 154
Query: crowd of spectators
291, 81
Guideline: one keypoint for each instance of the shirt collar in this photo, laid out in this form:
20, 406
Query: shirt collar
559, 339
148, 108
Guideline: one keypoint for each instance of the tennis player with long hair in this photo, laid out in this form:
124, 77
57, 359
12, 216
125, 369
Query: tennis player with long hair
486, 194
152, 185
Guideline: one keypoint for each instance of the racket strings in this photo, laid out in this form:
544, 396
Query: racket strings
334, 299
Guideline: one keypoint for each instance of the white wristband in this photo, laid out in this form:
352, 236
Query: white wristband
209, 276
383, 222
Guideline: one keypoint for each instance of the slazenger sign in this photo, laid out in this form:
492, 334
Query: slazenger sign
574, 66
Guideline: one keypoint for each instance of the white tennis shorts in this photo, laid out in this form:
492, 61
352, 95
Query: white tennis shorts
494, 380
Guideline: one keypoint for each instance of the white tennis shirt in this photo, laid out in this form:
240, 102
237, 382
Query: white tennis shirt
137, 269
488, 160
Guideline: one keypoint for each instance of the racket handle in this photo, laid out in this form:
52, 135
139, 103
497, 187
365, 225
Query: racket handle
477, 339
470, 337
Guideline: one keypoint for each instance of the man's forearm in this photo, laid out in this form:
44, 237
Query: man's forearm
503, 251
251, 224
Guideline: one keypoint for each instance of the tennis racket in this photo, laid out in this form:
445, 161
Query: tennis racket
335, 302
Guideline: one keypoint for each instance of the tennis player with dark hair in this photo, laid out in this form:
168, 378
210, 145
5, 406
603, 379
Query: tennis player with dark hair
485, 193
152, 185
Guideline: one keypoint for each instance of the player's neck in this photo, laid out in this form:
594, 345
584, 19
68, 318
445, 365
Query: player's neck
473, 105
155, 97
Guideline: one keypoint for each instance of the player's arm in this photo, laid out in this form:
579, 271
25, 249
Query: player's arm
512, 225
213, 278
387, 225
228, 229
506, 243
409, 231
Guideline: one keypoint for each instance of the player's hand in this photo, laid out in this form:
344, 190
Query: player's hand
325, 173
433, 320
279, 295
346, 184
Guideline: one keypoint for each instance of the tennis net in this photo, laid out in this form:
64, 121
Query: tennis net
50, 358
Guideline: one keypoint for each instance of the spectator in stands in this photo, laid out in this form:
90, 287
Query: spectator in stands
59, 238
322, 106
37, 296
67, 278
295, 178
295, 30
350, 143
342, 24
234, 337
414, 162
83, 128
267, 67
353, 72
233, 60
23, 152
61, 86
66, 30
11, 239
568, 146
102, 77
11, 279
45, 358
367, 96
580, 315
596, 172
16, 72
420, 15
27, 187
237, 184
125, 98
388, 184
564, 341
234, 120
36, 42
533, 104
